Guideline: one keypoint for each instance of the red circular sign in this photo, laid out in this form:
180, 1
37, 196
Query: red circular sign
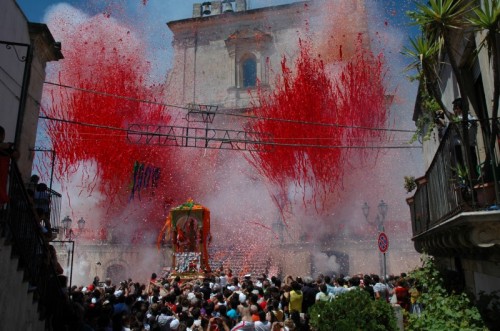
383, 242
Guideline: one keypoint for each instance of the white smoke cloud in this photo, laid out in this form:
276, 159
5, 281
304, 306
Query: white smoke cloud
325, 264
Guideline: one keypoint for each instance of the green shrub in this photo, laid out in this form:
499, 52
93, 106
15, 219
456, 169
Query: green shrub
441, 310
351, 311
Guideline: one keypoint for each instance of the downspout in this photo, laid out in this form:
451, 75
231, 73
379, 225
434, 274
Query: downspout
24, 94
194, 65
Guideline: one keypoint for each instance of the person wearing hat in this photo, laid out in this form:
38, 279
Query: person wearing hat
243, 310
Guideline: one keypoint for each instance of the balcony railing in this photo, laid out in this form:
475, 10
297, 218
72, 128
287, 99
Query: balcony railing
447, 189
50, 201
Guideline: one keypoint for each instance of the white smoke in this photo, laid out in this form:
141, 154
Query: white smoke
325, 264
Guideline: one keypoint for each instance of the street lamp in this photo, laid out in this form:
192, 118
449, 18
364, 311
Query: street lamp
380, 218
66, 223
81, 223
382, 210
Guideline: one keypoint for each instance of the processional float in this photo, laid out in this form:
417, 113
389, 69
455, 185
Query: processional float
188, 228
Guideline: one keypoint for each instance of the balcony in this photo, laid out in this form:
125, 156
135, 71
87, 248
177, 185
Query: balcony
450, 216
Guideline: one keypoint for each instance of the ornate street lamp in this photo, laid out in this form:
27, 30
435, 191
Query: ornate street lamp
366, 210
66, 223
81, 223
380, 218
382, 210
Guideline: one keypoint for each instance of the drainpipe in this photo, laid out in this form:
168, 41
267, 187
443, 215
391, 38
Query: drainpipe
194, 64
24, 93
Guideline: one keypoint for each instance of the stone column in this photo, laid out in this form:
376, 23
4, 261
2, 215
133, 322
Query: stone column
241, 5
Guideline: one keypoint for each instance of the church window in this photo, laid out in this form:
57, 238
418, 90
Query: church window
249, 70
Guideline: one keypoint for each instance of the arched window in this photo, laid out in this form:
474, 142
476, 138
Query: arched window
249, 70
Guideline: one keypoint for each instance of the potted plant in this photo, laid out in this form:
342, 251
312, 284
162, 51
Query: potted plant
461, 182
410, 183
485, 190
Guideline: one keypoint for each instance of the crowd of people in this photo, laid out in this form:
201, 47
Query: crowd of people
219, 301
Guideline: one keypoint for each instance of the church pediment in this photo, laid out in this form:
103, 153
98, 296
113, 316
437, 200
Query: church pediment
247, 36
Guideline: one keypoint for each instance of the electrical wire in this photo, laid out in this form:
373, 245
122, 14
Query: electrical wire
224, 140
233, 114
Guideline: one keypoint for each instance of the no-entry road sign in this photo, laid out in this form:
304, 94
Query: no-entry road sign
383, 242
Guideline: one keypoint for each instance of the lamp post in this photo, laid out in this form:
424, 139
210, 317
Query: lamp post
380, 218
81, 224
69, 236
379, 223
66, 224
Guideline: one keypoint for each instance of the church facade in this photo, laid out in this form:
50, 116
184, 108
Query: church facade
226, 49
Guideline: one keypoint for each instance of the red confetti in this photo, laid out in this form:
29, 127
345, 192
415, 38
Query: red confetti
104, 156
307, 94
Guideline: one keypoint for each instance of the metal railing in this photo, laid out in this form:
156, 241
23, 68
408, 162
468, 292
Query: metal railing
23, 231
50, 201
446, 189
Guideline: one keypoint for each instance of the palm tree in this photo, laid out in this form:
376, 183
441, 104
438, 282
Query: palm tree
439, 20
425, 60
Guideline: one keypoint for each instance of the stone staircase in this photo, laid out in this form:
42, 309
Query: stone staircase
240, 261
18, 309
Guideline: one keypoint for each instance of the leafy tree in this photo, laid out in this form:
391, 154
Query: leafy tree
442, 310
351, 311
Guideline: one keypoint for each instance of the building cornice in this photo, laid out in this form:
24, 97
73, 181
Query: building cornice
236, 16
474, 234
44, 42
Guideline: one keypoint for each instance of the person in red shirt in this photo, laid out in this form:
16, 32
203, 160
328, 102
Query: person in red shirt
402, 294
255, 313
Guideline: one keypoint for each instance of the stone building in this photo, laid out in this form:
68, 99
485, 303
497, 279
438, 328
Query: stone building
26, 48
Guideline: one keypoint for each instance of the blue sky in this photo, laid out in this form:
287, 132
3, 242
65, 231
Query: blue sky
177, 9
150, 19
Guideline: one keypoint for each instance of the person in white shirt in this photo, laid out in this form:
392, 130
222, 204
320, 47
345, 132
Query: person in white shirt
380, 290
262, 324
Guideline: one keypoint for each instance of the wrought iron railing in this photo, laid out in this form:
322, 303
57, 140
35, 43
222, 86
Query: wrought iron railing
23, 231
449, 186
55, 209
50, 201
